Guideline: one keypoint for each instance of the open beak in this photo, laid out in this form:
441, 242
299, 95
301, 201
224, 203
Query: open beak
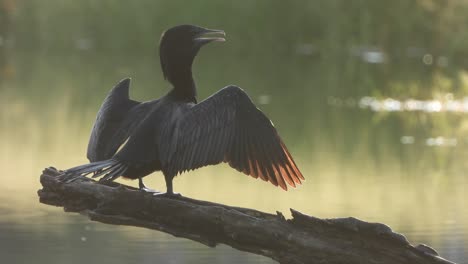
209, 35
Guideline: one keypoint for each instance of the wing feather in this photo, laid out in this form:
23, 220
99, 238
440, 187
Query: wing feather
107, 134
228, 127
241, 154
249, 154
264, 174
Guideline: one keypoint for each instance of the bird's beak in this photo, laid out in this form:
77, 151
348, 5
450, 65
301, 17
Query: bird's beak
209, 35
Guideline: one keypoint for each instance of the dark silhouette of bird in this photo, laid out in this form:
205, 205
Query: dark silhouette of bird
174, 133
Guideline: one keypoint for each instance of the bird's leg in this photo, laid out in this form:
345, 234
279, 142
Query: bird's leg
143, 187
169, 192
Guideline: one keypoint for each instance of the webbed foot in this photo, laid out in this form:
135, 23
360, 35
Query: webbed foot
149, 190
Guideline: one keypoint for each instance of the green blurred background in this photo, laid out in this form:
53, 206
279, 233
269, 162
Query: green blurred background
371, 98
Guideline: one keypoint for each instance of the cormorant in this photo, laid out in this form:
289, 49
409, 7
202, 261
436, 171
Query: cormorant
174, 133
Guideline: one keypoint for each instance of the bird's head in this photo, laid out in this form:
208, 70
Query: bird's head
179, 46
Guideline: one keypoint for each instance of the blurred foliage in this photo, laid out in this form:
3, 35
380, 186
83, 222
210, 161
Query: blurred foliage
333, 30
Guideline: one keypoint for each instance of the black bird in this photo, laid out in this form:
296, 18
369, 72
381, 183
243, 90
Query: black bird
174, 133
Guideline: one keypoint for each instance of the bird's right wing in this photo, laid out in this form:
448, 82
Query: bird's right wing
228, 127
109, 128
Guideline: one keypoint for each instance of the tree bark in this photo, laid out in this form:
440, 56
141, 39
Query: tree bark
302, 239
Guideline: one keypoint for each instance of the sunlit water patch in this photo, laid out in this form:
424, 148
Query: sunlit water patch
448, 104
430, 142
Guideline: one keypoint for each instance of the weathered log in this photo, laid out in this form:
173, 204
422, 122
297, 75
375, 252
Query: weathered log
302, 239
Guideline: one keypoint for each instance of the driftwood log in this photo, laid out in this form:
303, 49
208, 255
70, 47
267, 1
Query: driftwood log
302, 239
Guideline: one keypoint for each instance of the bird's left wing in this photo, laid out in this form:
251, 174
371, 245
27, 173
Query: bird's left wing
107, 134
228, 127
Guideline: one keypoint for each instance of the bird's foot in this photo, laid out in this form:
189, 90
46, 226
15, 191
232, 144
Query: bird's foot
168, 195
149, 190
143, 187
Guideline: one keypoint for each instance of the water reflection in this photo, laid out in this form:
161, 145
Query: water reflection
74, 240
441, 141
392, 105
371, 55
431, 142
413, 197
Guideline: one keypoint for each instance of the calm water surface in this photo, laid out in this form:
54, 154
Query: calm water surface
377, 126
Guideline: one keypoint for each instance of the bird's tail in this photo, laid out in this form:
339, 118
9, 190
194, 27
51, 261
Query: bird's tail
110, 170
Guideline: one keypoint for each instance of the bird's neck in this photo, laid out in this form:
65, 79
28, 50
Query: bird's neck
184, 86
177, 69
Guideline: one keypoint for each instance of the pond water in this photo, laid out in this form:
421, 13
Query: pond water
375, 117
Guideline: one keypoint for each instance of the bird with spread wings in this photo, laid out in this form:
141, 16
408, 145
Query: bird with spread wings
175, 133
